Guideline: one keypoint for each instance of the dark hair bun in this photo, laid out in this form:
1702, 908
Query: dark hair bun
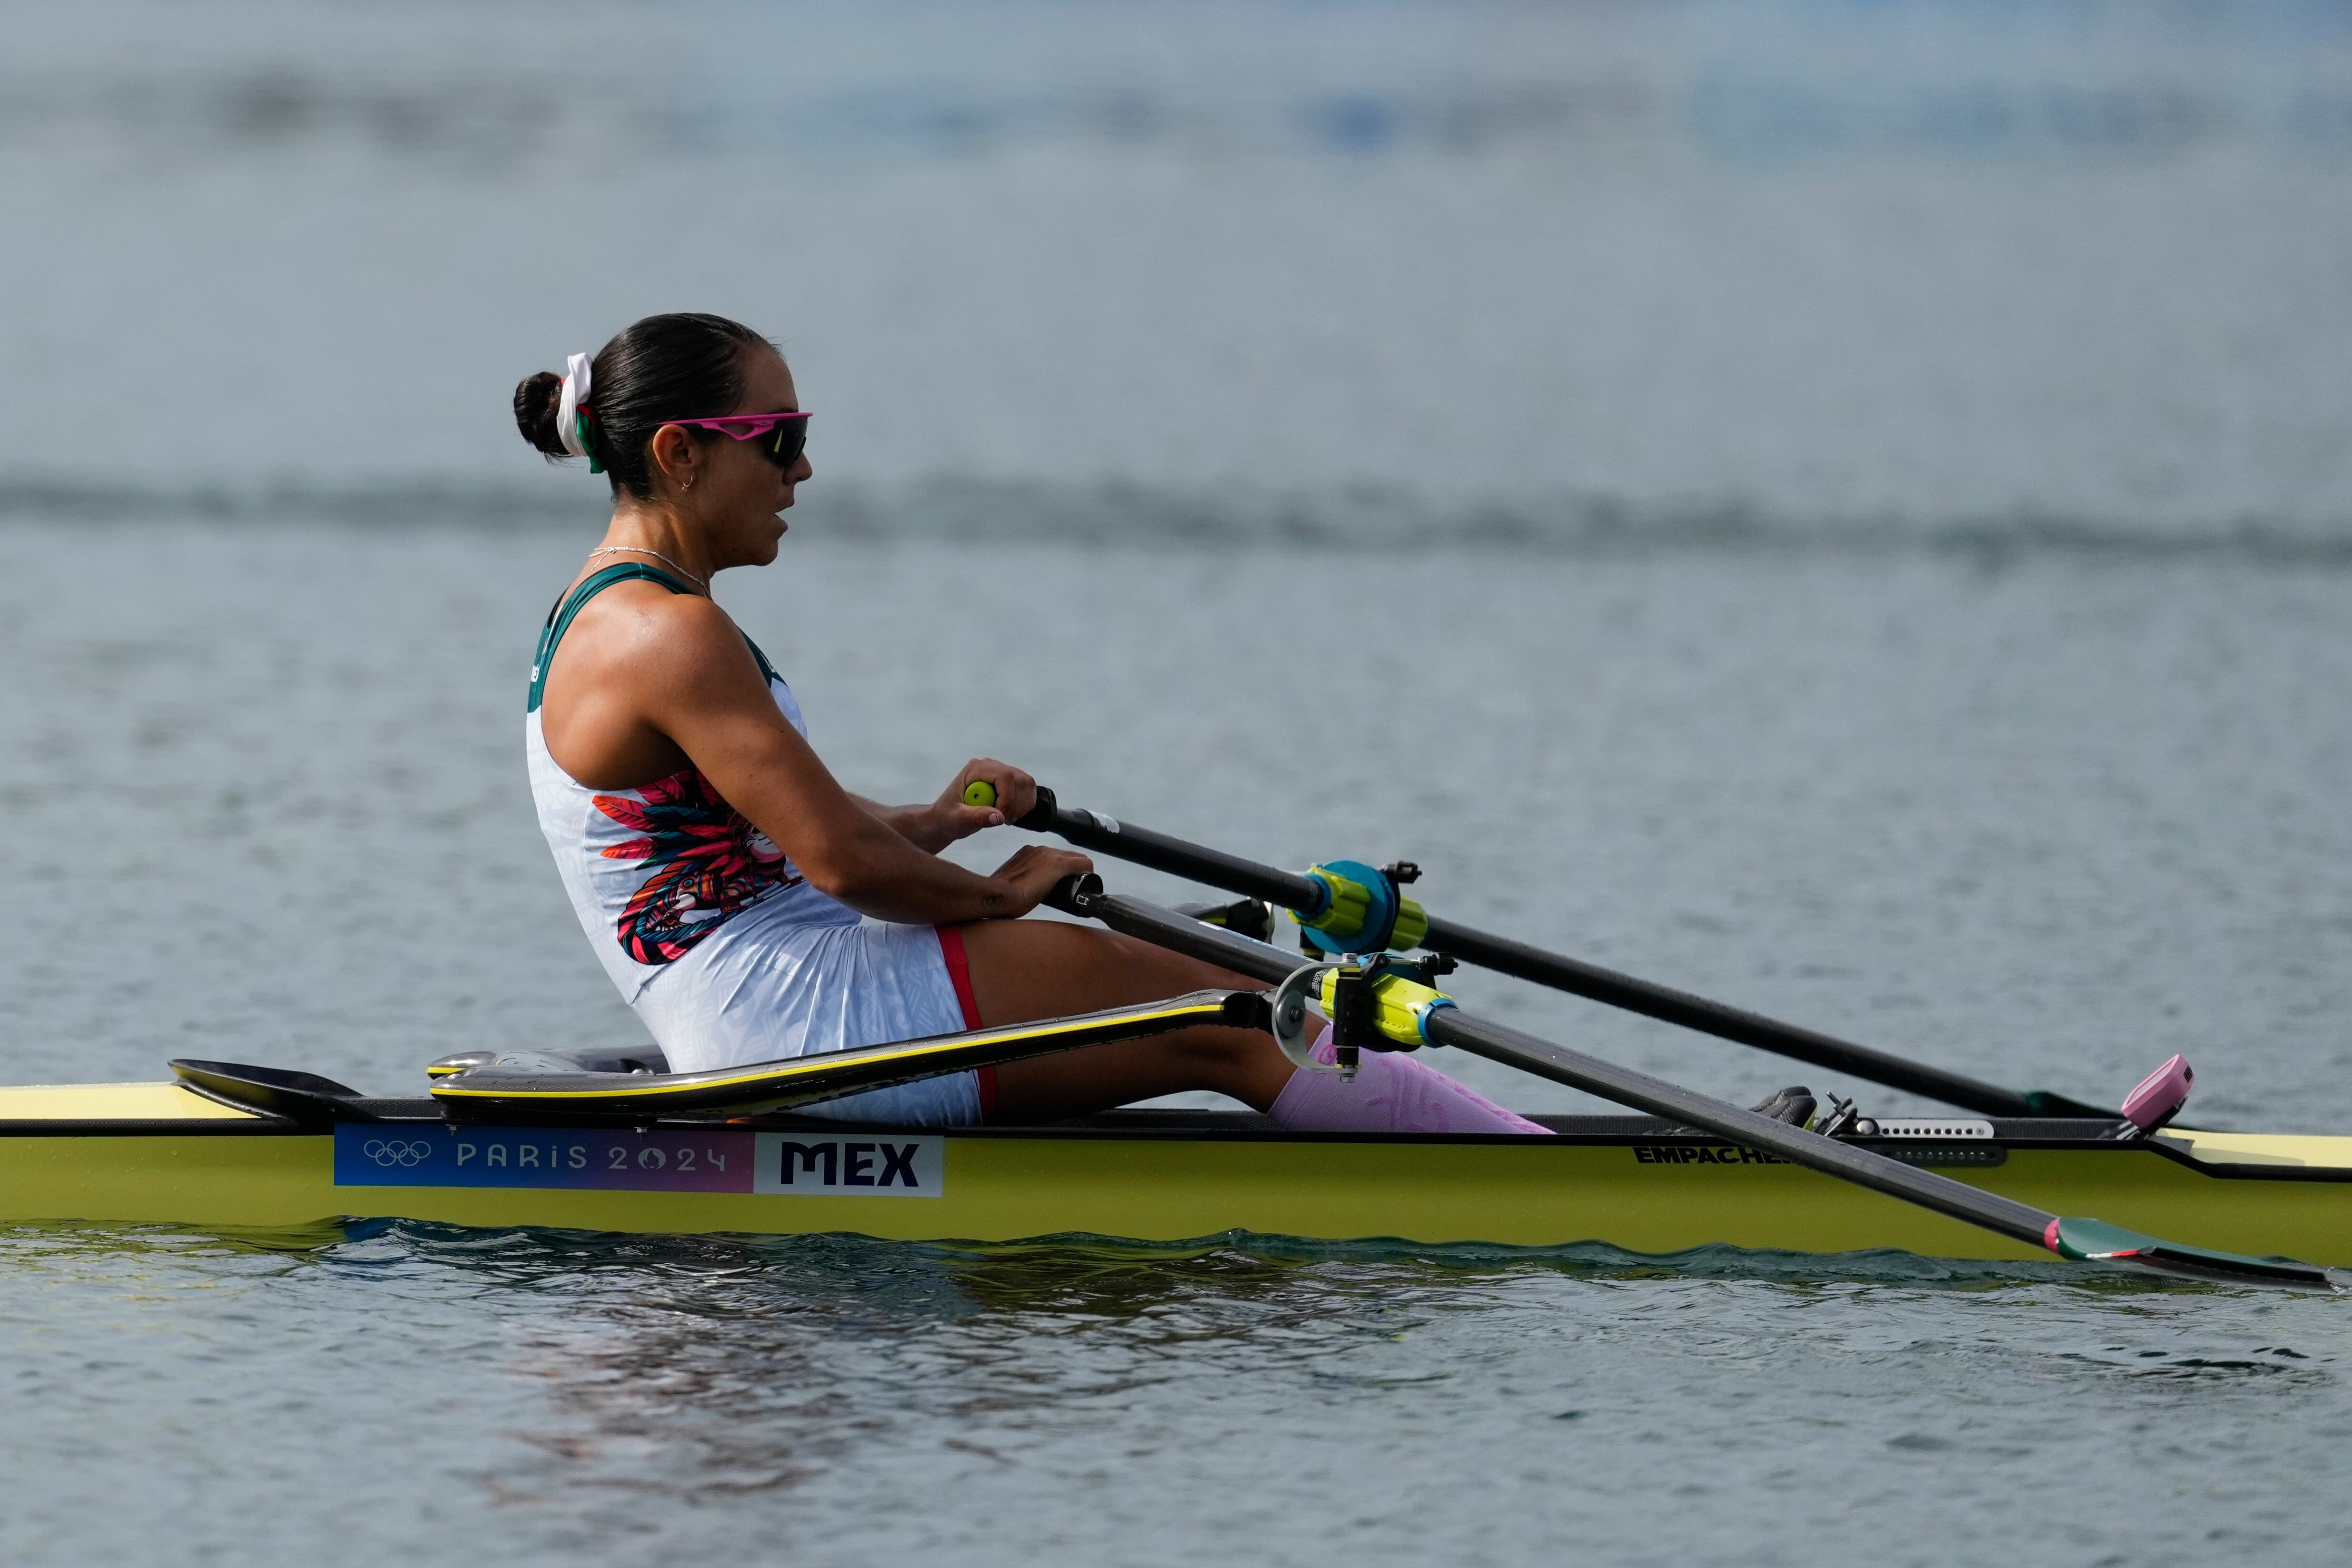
536, 400
654, 372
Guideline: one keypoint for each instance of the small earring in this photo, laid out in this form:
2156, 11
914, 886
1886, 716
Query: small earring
689, 482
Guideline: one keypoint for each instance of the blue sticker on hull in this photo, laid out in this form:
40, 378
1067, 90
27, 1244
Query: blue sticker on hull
855, 1163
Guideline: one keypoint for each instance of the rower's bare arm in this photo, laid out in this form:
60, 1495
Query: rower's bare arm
913, 823
933, 827
705, 692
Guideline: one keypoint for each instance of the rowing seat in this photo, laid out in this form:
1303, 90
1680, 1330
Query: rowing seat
633, 1059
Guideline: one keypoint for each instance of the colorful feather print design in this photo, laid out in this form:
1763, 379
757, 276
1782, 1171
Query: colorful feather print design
708, 862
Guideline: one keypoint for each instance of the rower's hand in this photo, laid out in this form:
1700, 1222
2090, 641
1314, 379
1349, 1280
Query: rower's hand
1031, 873
1015, 797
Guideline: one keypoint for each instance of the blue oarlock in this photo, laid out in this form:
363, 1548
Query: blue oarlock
1362, 911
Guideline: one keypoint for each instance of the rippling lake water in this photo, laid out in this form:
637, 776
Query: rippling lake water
1846, 509
553, 1398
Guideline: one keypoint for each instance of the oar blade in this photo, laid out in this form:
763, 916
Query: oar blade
2097, 1241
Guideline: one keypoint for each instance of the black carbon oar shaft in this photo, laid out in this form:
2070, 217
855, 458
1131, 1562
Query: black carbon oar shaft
1196, 862
1670, 1006
1450, 1026
1496, 1042
2089, 1240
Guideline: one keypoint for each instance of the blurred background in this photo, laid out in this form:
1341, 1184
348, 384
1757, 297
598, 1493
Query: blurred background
1219, 269
1843, 503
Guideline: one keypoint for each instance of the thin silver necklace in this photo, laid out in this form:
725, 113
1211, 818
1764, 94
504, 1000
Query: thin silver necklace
701, 582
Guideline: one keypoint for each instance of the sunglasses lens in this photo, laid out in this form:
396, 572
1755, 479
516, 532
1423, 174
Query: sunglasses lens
791, 440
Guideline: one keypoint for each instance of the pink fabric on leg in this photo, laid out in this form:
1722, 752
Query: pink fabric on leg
1393, 1093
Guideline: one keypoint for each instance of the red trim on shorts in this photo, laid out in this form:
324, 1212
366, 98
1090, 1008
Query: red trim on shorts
959, 975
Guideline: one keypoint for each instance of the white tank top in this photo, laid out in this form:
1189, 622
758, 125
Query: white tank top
656, 870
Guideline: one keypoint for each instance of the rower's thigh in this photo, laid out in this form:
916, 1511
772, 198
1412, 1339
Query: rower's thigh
1025, 970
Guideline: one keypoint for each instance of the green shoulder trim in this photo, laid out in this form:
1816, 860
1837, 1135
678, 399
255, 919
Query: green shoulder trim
560, 618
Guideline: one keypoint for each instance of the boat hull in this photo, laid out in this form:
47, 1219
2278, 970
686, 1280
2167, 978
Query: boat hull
1156, 1177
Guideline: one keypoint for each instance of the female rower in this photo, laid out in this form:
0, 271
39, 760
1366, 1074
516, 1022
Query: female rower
748, 908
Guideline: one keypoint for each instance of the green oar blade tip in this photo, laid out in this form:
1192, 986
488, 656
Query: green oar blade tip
2097, 1241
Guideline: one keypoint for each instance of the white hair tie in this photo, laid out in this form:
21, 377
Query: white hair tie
571, 426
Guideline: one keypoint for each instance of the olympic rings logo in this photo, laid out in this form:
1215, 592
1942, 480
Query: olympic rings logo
392, 1151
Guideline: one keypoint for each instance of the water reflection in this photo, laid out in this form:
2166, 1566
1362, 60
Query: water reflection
701, 1369
705, 1367
62, 1242
563, 1396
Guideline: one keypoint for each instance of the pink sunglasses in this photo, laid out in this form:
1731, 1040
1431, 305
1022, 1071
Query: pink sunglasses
790, 432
